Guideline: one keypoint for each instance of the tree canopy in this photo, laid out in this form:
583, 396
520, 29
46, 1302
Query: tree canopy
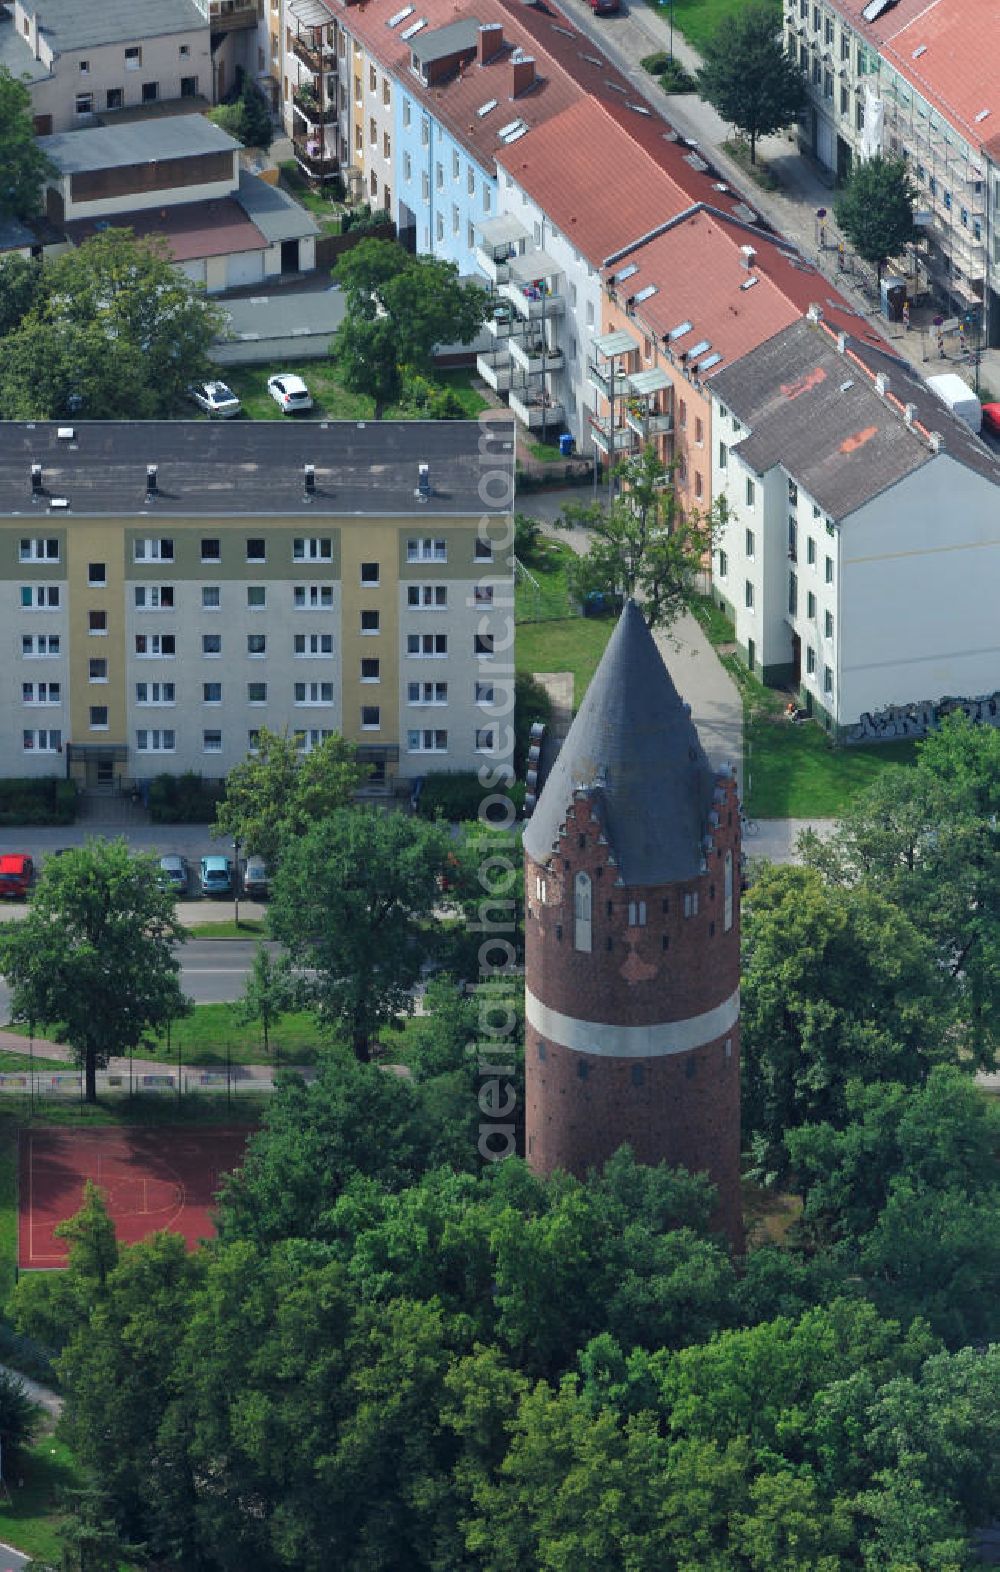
94, 957
748, 77
875, 208
347, 900
641, 543
115, 331
398, 307
278, 792
23, 165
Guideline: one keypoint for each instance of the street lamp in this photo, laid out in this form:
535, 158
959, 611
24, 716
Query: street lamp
236, 879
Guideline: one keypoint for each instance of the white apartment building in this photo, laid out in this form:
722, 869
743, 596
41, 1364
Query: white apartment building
861, 558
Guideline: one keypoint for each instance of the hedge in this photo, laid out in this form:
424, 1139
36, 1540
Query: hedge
456, 795
44, 799
183, 799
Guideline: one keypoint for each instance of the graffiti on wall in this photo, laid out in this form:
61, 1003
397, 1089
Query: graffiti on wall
916, 720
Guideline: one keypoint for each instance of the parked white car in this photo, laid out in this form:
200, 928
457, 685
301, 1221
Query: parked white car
289, 393
215, 398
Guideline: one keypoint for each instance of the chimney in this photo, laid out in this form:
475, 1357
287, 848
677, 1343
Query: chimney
749, 255
151, 480
522, 75
935, 441
882, 384
309, 479
36, 480
841, 343
423, 482
814, 314
490, 42
910, 414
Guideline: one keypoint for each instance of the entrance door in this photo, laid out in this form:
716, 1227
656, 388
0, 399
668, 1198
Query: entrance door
105, 773
289, 256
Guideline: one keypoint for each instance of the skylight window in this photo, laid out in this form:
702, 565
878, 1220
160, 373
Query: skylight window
413, 29
640, 109
647, 293
748, 283
678, 332
709, 361
401, 16
698, 349
628, 271
484, 109
512, 130
921, 49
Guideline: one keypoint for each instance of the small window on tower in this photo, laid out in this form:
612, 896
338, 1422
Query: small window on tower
583, 1070
542, 1051
581, 912
691, 1068
638, 1074
727, 894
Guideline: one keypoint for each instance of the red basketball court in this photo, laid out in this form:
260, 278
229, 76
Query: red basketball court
152, 1178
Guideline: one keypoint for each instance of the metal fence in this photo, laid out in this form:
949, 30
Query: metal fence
69, 1084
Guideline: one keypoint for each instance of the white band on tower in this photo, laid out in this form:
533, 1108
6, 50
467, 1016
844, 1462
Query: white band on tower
632, 1042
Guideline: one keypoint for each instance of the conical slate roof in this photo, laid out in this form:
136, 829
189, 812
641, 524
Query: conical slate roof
634, 748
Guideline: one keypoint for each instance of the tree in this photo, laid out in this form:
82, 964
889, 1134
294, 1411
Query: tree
398, 307
875, 209
347, 901
24, 167
927, 839
117, 332
642, 544
246, 117
19, 1418
94, 957
838, 985
278, 792
748, 77
267, 995
20, 283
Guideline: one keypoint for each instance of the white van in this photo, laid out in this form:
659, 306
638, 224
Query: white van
960, 399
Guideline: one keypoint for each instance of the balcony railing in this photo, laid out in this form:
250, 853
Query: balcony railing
533, 303
536, 357
494, 264
309, 159
623, 437
495, 369
312, 112
534, 409
226, 16
318, 58
648, 423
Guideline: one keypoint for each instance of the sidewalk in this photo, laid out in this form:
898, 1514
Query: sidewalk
56, 1054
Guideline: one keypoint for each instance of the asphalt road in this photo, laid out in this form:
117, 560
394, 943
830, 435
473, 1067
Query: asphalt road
212, 972
12, 1560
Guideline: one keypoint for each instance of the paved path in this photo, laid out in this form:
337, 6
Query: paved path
58, 1053
42, 1395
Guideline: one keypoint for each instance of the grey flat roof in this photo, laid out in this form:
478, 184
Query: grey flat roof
276, 214
138, 142
816, 412
81, 24
14, 235
440, 42
244, 467
16, 54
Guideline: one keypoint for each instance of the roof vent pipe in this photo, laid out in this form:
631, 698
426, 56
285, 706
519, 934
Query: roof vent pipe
151, 488
309, 479
882, 384
814, 314
749, 255
36, 480
841, 343
423, 482
910, 414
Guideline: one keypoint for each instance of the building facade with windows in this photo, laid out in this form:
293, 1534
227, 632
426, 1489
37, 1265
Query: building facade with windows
902, 77
334, 578
860, 559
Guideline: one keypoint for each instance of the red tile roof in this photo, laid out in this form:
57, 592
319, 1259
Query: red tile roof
191, 229
957, 70
700, 276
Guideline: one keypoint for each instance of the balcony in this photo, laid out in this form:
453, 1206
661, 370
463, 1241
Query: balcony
500, 324
309, 108
601, 431
227, 16
535, 409
498, 242
533, 286
308, 156
495, 369
535, 357
315, 56
647, 423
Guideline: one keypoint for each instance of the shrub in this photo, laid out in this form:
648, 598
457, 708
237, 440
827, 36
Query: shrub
457, 794
47, 799
672, 75
183, 799
526, 533
531, 703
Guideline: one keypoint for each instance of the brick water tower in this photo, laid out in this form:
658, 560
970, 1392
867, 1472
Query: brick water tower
632, 937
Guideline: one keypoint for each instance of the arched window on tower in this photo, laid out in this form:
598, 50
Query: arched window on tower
727, 893
581, 912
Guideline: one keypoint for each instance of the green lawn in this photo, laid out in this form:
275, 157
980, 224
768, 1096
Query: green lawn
549, 636
795, 772
225, 928
30, 1520
699, 19
329, 214
331, 400
203, 1037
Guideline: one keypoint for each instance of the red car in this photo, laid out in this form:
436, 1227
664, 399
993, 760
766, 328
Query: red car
605, 7
16, 873
991, 418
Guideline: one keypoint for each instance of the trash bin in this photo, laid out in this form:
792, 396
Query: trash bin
566, 444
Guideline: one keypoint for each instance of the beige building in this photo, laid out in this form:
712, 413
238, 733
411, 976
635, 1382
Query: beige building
167, 589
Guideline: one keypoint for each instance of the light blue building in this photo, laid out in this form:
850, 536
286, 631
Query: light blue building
443, 193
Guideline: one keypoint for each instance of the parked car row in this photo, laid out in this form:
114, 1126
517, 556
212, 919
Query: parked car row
217, 877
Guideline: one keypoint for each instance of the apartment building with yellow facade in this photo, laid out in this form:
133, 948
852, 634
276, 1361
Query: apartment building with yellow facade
169, 588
